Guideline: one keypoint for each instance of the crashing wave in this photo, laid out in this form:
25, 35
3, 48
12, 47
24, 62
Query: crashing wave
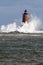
32, 27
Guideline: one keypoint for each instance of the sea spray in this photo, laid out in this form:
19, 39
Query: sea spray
30, 27
9, 28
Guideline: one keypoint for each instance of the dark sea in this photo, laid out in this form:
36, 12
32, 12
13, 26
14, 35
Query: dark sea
21, 49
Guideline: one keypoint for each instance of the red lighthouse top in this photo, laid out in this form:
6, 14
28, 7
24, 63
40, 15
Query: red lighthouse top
26, 16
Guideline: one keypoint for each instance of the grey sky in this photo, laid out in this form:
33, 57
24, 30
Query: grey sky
13, 9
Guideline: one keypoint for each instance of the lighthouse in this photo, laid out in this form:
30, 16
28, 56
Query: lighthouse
26, 17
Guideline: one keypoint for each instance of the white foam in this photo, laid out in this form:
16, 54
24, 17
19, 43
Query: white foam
31, 27
8, 28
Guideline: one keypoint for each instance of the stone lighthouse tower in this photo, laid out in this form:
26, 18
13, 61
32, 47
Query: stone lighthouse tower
26, 16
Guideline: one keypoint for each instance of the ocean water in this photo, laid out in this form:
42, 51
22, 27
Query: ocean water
21, 49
